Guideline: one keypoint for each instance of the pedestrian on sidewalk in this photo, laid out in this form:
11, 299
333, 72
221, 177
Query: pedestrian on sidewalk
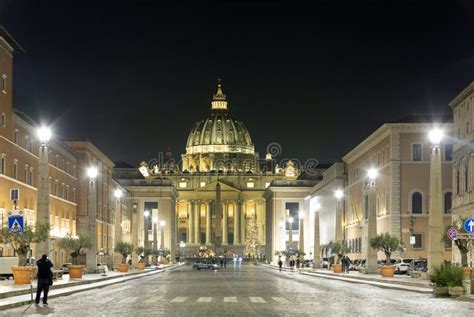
45, 279
346, 262
221, 262
280, 263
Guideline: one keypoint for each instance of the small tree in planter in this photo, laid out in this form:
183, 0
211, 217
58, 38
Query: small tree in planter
461, 244
447, 278
336, 249
440, 281
388, 244
21, 244
155, 254
125, 249
139, 252
75, 245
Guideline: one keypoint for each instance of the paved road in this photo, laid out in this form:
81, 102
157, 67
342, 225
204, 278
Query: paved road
244, 291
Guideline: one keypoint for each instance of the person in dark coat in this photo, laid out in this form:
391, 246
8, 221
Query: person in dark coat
45, 278
280, 263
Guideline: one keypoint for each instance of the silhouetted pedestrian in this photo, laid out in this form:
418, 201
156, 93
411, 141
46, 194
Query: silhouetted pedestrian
45, 279
280, 263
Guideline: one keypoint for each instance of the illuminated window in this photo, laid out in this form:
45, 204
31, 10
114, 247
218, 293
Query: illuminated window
183, 184
250, 184
202, 184
3, 160
15, 136
267, 184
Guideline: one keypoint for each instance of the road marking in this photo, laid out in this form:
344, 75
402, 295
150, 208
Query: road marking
257, 300
153, 299
280, 300
179, 299
128, 300
204, 299
231, 299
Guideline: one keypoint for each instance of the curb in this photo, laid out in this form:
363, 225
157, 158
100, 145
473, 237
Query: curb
381, 284
92, 286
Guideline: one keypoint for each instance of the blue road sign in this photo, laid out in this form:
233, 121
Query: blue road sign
469, 225
15, 223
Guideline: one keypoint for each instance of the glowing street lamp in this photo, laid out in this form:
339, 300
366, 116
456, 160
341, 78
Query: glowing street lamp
372, 174
44, 134
436, 135
371, 254
146, 213
118, 193
338, 193
92, 173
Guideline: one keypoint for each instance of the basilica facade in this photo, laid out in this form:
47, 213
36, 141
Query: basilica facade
215, 199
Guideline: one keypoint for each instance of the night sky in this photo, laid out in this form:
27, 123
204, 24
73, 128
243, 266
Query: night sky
316, 77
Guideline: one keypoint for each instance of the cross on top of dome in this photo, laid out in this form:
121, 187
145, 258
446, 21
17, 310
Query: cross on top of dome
219, 101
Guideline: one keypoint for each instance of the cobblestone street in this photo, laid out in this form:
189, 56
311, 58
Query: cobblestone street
246, 290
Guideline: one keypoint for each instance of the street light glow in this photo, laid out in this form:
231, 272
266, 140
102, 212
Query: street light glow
162, 223
118, 193
92, 172
146, 213
290, 220
338, 193
436, 135
372, 173
155, 220
44, 134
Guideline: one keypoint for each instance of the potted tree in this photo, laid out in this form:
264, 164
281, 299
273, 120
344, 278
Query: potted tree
125, 249
455, 280
439, 280
21, 242
75, 246
155, 254
461, 244
336, 249
139, 252
386, 243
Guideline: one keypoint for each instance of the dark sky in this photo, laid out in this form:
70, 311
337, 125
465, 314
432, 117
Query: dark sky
316, 77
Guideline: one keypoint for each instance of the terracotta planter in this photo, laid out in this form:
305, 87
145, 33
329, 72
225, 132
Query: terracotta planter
387, 270
440, 290
23, 274
456, 291
140, 266
337, 268
123, 267
76, 271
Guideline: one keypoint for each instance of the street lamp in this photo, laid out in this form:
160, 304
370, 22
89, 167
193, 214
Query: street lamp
162, 229
182, 244
435, 227
118, 193
44, 135
338, 193
371, 254
155, 234
91, 257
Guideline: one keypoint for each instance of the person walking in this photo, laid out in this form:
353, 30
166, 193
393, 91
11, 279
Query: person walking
280, 263
45, 279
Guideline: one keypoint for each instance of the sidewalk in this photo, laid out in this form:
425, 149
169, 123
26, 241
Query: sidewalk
400, 282
12, 295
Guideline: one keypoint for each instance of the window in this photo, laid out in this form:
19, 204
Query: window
56, 187
183, 184
448, 152
466, 177
14, 194
56, 163
4, 83
31, 175
416, 203
250, 184
15, 169
418, 241
202, 184
74, 195
3, 120
27, 175
366, 206
15, 136
416, 152
467, 128
447, 202
458, 183
27, 142
67, 192
3, 160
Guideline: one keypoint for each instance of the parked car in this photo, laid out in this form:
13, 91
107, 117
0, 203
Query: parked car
325, 263
418, 266
361, 264
205, 265
402, 265
307, 263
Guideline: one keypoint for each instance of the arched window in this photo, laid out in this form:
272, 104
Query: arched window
447, 202
416, 203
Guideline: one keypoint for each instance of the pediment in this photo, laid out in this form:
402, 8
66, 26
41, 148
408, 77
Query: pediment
211, 187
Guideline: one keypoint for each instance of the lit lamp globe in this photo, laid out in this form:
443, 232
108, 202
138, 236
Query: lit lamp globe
44, 134
290, 220
338, 193
372, 174
436, 135
155, 220
118, 193
92, 172
182, 244
162, 223
146, 213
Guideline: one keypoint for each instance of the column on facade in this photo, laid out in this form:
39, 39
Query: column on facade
208, 223
190, 236
196, 207
339, 214
237, 211
225, 213
242, 223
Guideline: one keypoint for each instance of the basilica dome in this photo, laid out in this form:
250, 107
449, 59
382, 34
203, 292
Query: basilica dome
220, 137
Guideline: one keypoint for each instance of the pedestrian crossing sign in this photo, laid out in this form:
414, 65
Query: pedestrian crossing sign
15, 223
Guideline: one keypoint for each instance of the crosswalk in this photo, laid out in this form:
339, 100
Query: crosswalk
203, 299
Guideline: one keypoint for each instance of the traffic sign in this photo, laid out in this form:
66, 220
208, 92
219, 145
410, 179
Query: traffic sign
469, 225
453, 233
15, 224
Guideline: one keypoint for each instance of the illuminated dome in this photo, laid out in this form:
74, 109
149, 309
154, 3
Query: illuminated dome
219, 138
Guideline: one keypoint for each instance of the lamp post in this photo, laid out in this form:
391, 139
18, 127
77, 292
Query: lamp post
435, 247
91, 256
182, 245
162, 236
146, 215
317, 243
301, 216
371, 254
290, 231
42, 216
155, 234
